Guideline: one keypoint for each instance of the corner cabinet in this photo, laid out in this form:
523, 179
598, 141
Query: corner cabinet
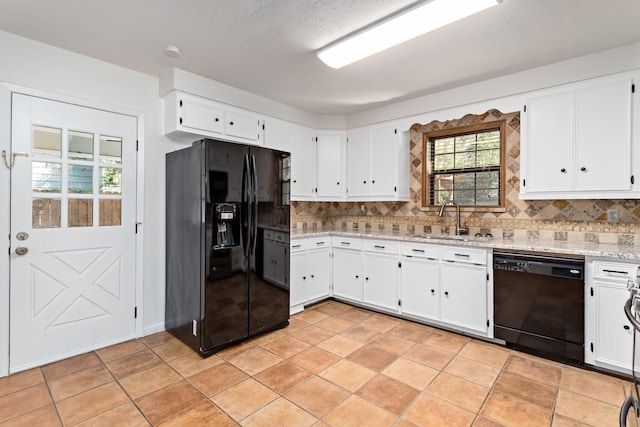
377, 164
577, 141
608, 332
190, 116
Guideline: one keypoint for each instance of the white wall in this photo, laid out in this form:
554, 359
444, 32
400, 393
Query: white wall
39, 66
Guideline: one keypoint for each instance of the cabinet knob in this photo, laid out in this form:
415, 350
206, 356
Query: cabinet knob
364, 182
304, 277
312, 276
373, 181
231, 123
216, 119
626, 327
433, 291
446, 293
583, 169
563, 170
337, 183
294, 181
366, 278
357, 277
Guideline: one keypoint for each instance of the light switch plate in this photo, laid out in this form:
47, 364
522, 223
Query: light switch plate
613, 215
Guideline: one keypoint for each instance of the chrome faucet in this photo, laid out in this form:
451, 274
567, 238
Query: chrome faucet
459, 229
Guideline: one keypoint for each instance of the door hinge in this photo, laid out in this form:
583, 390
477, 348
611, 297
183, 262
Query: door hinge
524, 182
487, 277
399, 264
136, 145
262, 124
181, 102
488, 323
137, 224
400, 302
316, 139
525, 108
633, 88
395, 131
591, 347
633, 180
592, 291
395, 189
135, 312
180, 120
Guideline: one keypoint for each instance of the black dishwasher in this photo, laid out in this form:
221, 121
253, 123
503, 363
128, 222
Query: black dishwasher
539, 304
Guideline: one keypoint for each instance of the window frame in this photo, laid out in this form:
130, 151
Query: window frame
460, 131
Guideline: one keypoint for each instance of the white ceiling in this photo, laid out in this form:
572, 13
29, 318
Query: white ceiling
268, 46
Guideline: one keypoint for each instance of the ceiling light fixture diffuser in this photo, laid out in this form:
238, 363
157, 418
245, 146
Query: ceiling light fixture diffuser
403, 25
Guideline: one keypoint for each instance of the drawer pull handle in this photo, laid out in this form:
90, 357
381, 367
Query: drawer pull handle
378, 247
463, 255
319, 243
615, 272
345, 243
418, 250
431, 259
296, 246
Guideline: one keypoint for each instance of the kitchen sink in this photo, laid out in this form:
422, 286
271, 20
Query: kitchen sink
463, 238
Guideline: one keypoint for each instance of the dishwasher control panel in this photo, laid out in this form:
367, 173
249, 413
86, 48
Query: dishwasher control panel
501, 264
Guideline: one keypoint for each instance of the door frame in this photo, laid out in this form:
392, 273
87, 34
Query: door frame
6, 92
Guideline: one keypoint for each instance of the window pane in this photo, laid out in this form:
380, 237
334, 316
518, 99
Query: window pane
110, 181
80, 212
466, 143
488, 179
80, 145
489, 140
46, 177
45, 213
47, 142
443, 162
489, 158
80, 179
465, 197
110, 212
465, 160
464, 181
110, 149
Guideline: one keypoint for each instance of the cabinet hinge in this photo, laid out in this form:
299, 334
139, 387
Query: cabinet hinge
395, 189
136, 145
487, 277
525, 108
633, 88
592, 291
400, 302
633, 180
591, 347
488, 323
395, 131
181, 102
262, 125
399, 264
316, 139
135, 312
524, 182
180, 120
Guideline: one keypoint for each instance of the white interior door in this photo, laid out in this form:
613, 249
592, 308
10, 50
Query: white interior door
73, 189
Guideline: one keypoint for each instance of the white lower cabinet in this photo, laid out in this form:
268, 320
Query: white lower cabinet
420, 279
608, 332
310, 271
381, 274
347, 268
464, 295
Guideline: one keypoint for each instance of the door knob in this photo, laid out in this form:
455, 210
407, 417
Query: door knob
22, 235
22, 250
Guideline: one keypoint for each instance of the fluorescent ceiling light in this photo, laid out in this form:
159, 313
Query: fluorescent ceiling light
404, 25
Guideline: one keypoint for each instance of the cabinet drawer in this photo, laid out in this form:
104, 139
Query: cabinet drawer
461, 254
347, 243
615, 270
298, 245
384, 246
318, 242
420, 250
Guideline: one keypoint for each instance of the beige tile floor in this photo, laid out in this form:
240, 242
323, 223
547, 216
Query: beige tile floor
334, 365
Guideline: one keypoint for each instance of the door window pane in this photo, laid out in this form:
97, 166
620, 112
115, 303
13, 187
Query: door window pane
80, 146
110, 149
80, 212
80, 179
47, 142
110, 212
110, 181
45, 213
46, 177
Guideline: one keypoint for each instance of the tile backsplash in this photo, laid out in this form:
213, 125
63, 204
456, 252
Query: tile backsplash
579, 220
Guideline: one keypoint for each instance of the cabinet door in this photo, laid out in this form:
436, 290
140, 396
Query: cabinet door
200, 115
421, 287
613, 333
358, 163
383, 162
297, 278
347, 274
242, 126
464, 295
303, 163
330, 166
381, 280
603, 134
276, 134
549, 143
319, 269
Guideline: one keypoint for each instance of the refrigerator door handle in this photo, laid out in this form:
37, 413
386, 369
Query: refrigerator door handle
245, 207
254, 205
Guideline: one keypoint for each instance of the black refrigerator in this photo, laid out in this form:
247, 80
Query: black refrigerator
219, 198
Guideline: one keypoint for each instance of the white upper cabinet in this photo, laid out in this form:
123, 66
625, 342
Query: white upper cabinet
191, 116
577, 141
303, 163
277, 134
377, 164
330, 172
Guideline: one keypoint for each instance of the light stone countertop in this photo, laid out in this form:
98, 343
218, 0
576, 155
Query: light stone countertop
605, 250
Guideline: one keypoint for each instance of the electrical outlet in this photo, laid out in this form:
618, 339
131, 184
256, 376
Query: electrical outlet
613, 215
